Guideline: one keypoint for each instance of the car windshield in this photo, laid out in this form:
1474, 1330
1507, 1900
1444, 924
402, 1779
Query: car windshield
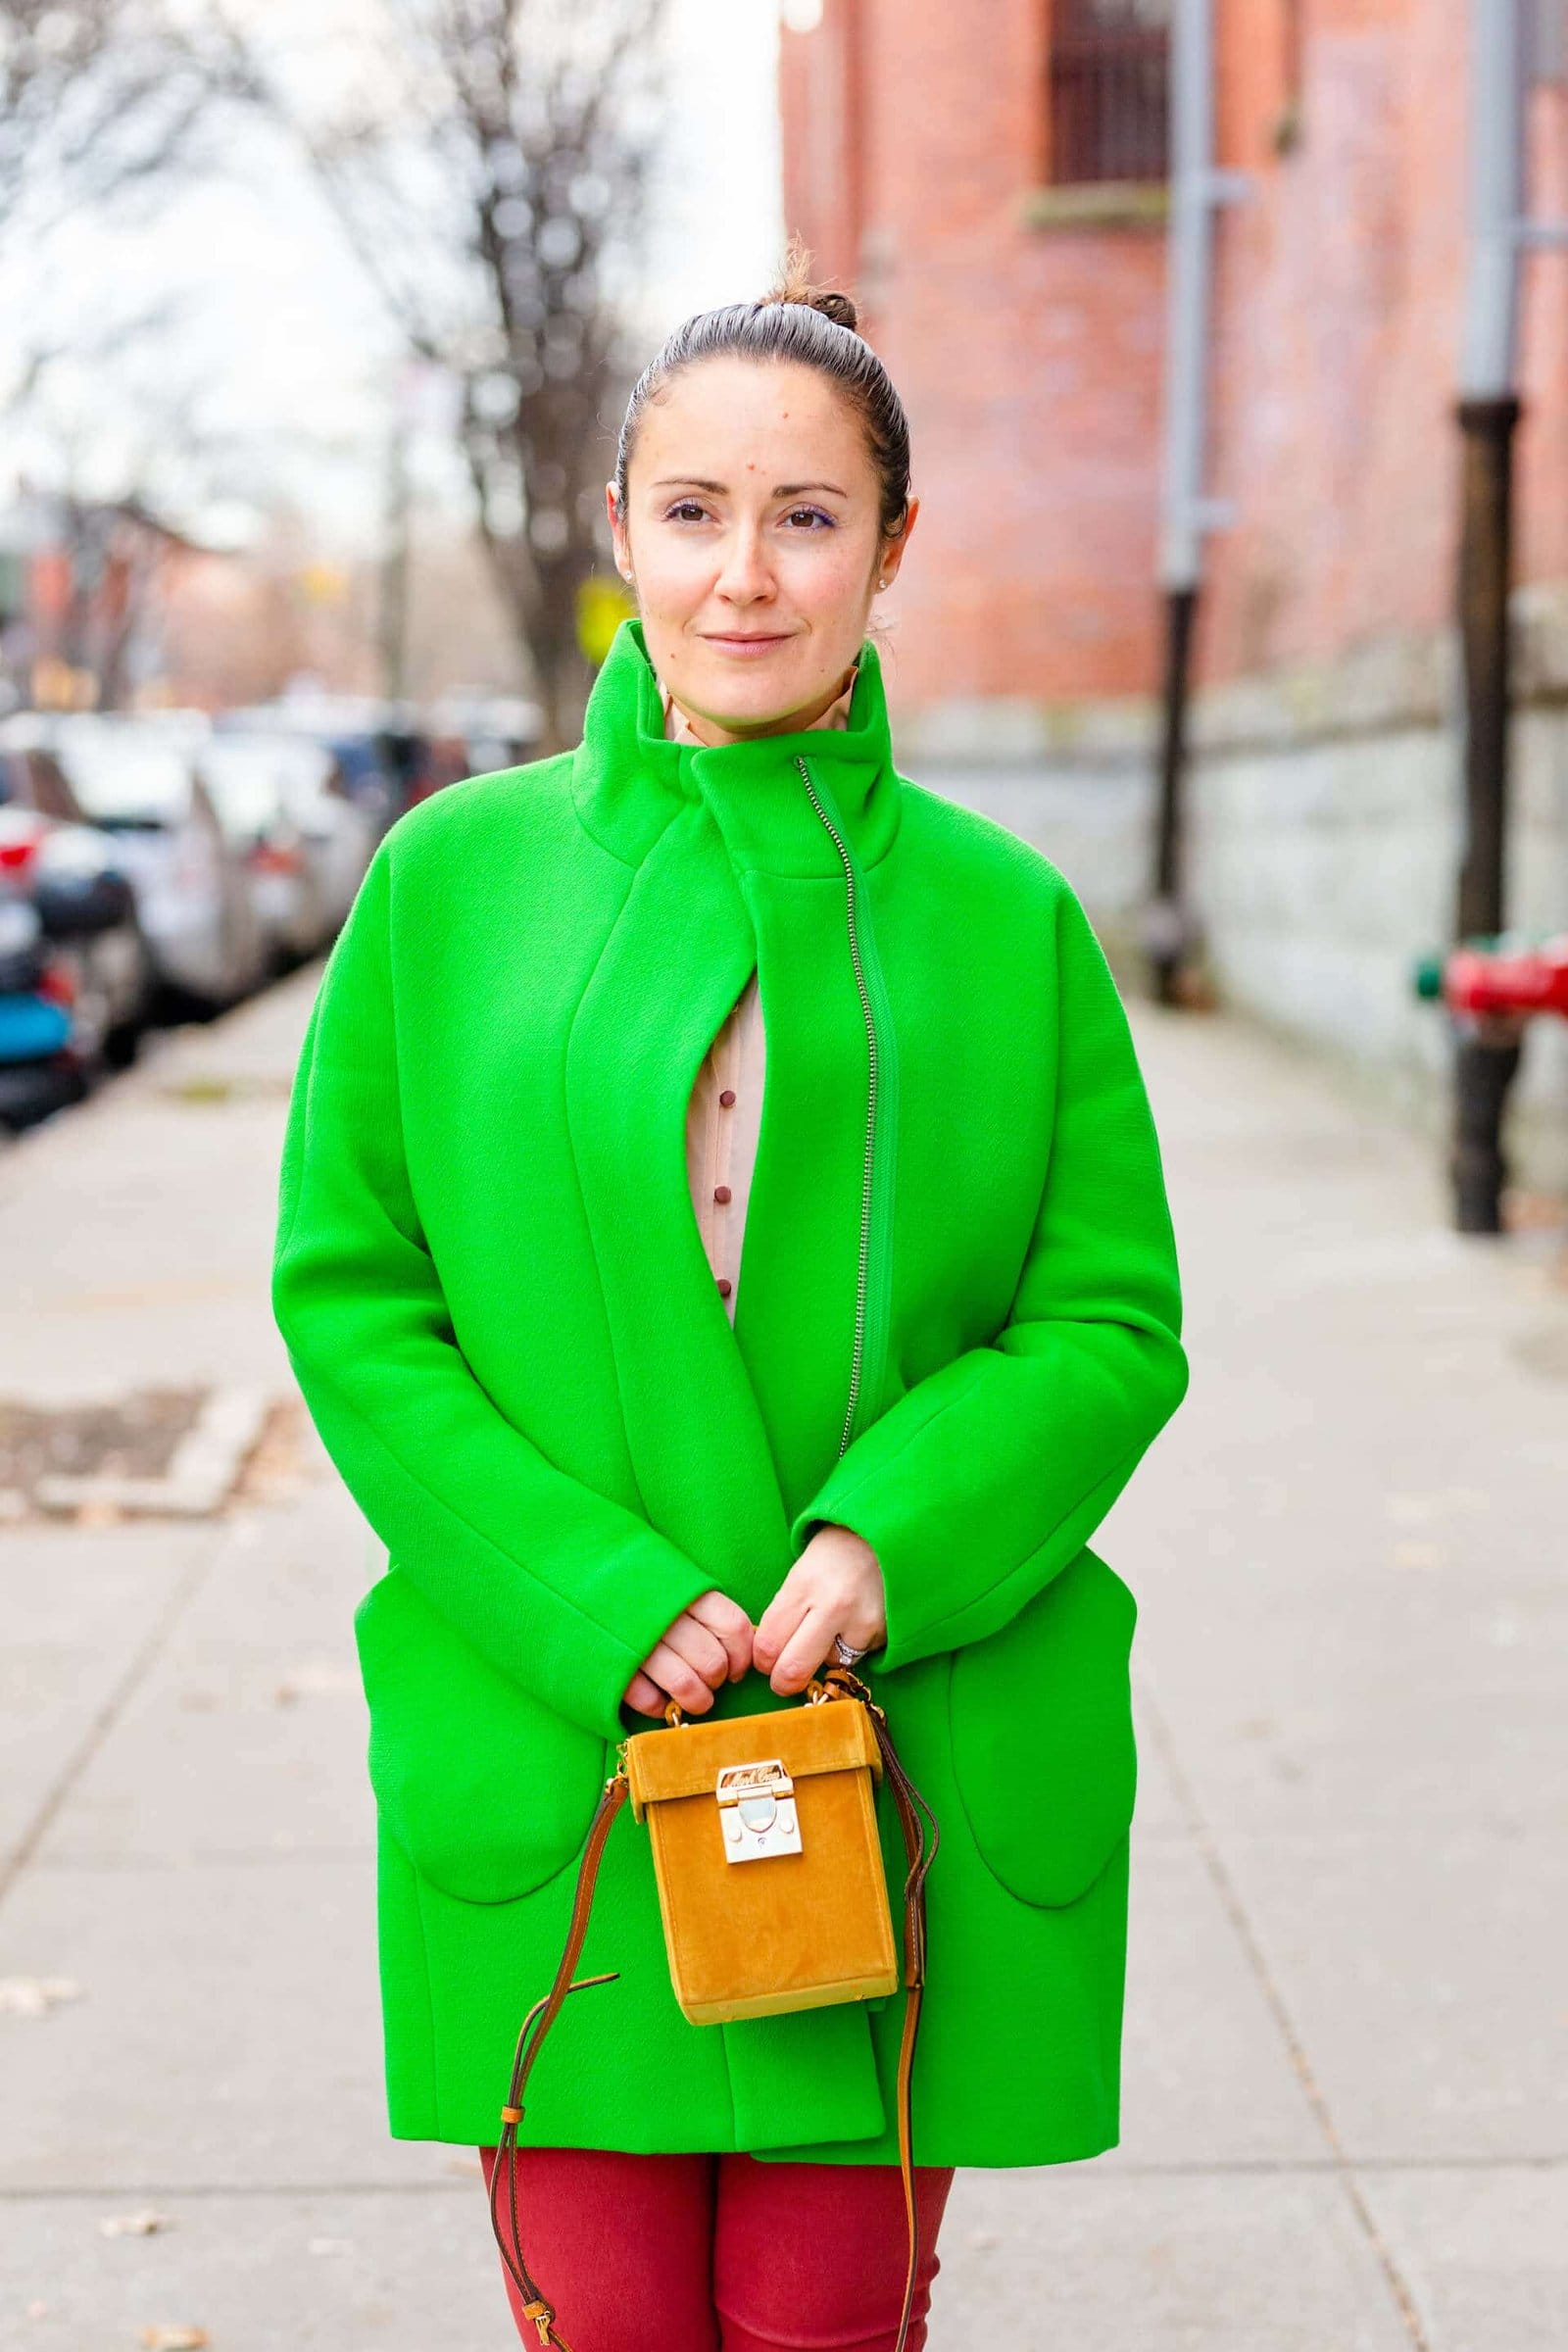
123, 774
307, 770
244, 777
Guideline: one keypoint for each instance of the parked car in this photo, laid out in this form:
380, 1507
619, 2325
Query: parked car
306, 837
246, 776
77, 881
365, 736
371, 773
392, 754
340, 830
136, 780
496, 730
42, 1066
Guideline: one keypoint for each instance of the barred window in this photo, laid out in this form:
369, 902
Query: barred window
1109, 83
1545, 34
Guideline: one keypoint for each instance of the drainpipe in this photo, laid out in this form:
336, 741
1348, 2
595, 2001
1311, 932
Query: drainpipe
1197, 191
1487, 1051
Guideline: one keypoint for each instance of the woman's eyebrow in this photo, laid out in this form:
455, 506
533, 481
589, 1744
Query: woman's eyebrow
695, 481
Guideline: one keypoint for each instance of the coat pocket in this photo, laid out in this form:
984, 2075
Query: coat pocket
1043, 1745
487, 1789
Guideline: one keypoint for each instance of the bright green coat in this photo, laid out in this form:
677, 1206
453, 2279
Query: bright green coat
956, 1330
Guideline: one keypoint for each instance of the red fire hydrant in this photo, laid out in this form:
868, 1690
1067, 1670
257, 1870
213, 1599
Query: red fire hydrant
1504, 979
1491, 989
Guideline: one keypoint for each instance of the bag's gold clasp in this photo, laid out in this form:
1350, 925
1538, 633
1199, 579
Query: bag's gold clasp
757, 1810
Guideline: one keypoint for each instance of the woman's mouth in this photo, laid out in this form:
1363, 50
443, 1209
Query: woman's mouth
749, 646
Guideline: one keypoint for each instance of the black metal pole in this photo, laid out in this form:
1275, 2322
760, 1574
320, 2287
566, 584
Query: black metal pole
1486, 1053
1165, 929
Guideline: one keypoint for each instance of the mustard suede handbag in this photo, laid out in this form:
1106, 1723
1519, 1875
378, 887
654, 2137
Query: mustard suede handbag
771, 1888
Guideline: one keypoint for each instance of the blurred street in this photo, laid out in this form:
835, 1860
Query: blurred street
1345, 2117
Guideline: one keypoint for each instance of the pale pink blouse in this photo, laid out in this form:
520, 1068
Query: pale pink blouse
725, 1115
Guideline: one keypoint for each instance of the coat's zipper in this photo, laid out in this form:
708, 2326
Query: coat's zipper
872, 1106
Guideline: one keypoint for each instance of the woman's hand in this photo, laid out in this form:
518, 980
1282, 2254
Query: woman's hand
835, 1587
709, 1643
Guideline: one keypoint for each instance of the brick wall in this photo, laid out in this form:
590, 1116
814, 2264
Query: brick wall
1339, 309
1324, 795
1029, 356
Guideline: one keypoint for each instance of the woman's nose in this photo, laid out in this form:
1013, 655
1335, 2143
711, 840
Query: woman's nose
745, 571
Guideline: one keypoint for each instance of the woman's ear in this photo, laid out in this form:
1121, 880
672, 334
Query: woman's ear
887, 570
617, 533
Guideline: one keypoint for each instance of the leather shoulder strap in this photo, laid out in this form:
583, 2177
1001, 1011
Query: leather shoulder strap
535, 2306
911, 1805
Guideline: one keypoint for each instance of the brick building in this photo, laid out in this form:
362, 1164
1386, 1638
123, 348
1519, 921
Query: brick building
998, 205
1024, 335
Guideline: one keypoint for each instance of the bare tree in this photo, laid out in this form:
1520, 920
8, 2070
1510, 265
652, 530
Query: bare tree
113, 555
492, 176
104, 105
98, 98
126, 438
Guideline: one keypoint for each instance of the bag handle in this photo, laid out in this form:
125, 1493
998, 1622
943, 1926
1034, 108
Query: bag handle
911, 1804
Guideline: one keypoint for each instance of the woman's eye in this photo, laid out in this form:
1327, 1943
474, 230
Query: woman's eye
684, 507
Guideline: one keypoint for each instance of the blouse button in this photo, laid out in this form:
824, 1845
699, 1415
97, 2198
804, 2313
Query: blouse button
721, 1191
727, 1097
725, 1285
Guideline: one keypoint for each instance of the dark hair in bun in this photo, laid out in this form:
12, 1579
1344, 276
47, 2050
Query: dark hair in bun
796, 285
794, 320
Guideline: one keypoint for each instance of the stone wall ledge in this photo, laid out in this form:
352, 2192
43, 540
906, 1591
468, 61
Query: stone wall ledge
1390, 685
1387, 686
1018, 730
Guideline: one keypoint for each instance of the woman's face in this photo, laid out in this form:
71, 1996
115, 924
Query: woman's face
752, 534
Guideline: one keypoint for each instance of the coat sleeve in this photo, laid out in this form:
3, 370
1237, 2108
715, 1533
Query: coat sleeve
984, 1480
558, 1585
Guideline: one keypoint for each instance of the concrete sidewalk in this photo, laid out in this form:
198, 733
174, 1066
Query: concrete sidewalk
1346, 2114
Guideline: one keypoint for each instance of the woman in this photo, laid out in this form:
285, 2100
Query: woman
616, 1458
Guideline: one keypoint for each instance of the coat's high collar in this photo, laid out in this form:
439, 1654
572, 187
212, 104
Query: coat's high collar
629, 781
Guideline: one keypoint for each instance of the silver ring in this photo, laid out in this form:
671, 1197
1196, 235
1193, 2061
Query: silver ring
846, 1655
